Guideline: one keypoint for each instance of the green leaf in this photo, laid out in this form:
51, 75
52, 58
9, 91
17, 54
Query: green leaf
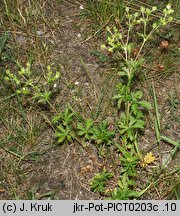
89, 123
122, 73
158, 133
103, 58
134, 108
125, 69
145, 104
61, 137
169, 140
138, 94
85, 129
139, 124
65, 117
56, 118
63, 134
98, 183
134, 194
102, 134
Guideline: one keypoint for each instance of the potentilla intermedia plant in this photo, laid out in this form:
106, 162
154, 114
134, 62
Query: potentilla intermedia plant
121, 44
24, 84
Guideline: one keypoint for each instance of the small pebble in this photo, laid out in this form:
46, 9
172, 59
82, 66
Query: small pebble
78, 35
76, 83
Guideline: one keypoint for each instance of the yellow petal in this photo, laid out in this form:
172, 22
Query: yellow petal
149, 158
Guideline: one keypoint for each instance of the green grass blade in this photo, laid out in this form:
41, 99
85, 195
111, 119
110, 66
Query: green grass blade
3, 41
169, 140
157, 120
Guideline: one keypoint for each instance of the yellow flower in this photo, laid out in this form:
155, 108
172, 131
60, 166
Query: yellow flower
148, 159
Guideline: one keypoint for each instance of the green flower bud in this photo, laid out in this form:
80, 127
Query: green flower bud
8, 72
23, 71
110, 49
17, 82
165, 12
171, 11
18, 91
138, 21
28, 64
168, 6
109, 39
103, 46
6, 78
154, 8
57, 75
48, 67
170, 19
154, 25
108, 29
136, 14
115, 29
127, 9
25, 91
142, 9
148, 11
119, 36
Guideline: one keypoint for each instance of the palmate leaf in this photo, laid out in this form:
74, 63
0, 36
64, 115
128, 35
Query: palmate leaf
102, 134
56, 118
42, 97
98, 183
63, 134
129, 161
138, 94
61, 137
65, 117
132, 121
86, 129
122, 131
88, 123
103, 58
124, 192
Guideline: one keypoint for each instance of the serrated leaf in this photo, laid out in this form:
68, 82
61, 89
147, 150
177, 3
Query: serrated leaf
134, 108
138, 94
80, 126
145, 104
139, 124
80, 133
89, 123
